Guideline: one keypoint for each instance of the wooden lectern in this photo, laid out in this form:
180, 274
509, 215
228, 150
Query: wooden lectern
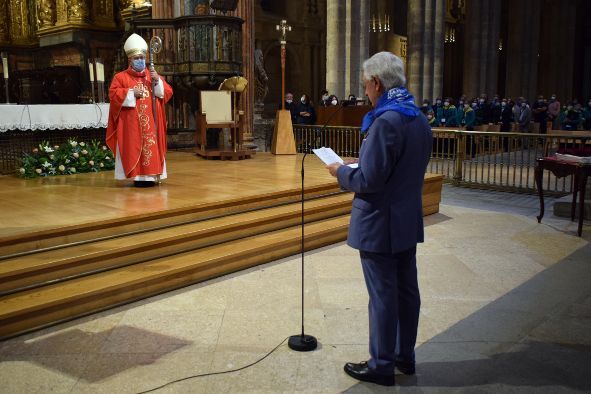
220, 109
283, 138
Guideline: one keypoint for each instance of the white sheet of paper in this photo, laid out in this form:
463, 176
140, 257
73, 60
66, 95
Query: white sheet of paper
328, 156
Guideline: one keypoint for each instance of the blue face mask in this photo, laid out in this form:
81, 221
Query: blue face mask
138, 64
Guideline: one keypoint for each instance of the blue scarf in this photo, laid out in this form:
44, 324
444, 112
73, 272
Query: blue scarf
395, 99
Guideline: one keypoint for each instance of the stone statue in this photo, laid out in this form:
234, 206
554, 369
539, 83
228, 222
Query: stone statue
46, 13
261, 87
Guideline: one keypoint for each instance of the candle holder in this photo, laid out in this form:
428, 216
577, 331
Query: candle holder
100, 80
91, 74
4, 56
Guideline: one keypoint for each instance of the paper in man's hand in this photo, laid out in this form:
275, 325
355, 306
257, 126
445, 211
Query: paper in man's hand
328, 156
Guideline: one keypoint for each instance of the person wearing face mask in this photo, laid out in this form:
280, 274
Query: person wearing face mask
540, 111
426, 107
524, 117
587, 116
554, 112
516, 114
482, 111
305, 112
469, 118
459, 116
496, 109
431, 118
352, 100
506, 115
324, 98
139, 146
446, 114
438, 104
572, 117
291, 106
333, 100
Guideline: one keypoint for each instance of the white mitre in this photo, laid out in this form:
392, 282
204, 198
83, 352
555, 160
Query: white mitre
135, 45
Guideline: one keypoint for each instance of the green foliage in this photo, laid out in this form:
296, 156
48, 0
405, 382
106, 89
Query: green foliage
71, 157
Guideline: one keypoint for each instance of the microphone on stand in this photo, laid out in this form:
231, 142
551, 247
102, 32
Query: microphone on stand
303, 342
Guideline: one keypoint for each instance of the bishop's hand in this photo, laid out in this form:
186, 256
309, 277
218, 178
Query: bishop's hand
154, 75
138, 92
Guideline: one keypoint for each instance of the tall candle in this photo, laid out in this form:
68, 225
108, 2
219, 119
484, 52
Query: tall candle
91, 70
100, 72
5, 67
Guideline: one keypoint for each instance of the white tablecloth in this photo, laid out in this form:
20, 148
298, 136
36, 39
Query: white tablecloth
53, 116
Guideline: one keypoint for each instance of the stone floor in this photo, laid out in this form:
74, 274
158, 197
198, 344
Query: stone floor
506, 307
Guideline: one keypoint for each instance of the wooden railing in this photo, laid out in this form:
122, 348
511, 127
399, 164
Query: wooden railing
491, 160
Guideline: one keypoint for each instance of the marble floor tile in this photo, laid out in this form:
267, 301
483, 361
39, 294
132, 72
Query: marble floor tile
506, 307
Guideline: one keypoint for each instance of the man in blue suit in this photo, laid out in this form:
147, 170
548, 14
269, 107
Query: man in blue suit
387, 219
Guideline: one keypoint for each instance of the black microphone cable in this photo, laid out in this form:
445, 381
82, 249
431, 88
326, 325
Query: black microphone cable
214, 373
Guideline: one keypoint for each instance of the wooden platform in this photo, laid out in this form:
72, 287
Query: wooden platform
225, 154
74, 245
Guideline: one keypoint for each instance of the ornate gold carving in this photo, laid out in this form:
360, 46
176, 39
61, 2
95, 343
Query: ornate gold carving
123, 4
103, 14
46, 13
21, 30
77, 11
148, 137
4, 32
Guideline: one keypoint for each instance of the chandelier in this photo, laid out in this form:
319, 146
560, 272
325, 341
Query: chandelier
450, 34
380, 24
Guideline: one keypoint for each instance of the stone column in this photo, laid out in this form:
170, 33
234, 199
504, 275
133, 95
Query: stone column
425, 48
557, 51
522, 49
347, 45
162, 9
335, 50
246, 12
483, 20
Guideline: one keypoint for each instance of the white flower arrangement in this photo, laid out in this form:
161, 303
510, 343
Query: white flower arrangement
71, 157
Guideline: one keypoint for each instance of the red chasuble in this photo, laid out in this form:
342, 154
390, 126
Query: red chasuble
142, 147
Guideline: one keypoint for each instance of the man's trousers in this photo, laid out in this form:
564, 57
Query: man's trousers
394, 303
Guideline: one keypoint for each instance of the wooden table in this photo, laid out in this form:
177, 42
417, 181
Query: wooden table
561, 169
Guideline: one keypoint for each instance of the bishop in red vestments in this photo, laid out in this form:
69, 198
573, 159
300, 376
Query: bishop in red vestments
138, 140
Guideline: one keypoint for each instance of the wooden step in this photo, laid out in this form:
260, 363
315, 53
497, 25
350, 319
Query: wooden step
36, 308
25, 243
64, 263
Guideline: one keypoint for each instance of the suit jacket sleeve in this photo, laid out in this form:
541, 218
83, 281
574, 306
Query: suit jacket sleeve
377, 158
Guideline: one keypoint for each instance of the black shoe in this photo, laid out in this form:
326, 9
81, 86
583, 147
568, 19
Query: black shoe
143, 183
406, 367
362, 372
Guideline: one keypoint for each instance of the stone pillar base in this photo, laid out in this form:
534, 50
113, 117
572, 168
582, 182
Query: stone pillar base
263, 129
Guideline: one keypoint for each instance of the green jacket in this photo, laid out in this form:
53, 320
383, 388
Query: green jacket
448, 114
469, 118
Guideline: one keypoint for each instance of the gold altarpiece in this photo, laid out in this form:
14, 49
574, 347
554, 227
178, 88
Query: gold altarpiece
50, 42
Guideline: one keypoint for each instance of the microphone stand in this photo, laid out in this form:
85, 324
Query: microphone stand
303, 342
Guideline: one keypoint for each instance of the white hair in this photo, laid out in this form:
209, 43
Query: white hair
387, 67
